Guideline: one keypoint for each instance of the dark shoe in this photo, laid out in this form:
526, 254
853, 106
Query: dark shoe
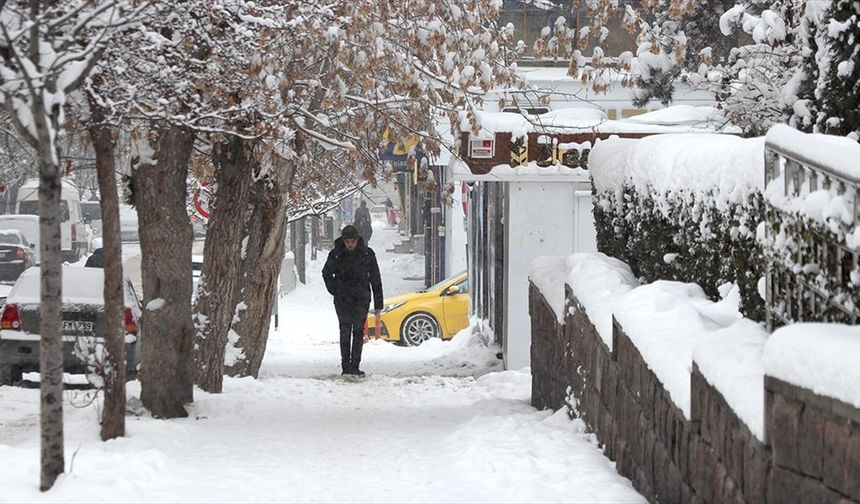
354, 369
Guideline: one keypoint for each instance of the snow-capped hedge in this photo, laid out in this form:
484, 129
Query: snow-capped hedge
683, 207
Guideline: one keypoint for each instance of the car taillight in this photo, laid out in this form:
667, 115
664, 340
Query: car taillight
74, 233
20, 254
130, 323
10, 318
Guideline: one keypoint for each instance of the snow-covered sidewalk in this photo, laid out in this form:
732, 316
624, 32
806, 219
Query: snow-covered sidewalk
433, 423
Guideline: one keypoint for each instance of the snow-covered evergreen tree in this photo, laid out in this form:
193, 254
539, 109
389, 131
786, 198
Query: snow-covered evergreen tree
838, 89
802, 92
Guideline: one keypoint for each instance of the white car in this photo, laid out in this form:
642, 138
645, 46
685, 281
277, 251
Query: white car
83, 317
27, 224
73, 235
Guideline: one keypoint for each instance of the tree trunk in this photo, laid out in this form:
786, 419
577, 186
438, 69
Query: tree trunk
159, 191
113, 416
235, 163
301, 250
50, 312
261, 267
51, 298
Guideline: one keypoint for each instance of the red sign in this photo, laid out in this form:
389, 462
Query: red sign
482, 149
202, 207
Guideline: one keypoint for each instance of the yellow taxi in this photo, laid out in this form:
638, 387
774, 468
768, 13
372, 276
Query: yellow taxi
439, 311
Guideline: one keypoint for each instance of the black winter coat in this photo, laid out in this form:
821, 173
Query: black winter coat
350, 276
96, 260
363, 223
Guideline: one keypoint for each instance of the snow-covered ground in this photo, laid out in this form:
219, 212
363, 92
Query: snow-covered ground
434, 423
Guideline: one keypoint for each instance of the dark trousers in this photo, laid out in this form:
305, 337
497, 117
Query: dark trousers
351, 317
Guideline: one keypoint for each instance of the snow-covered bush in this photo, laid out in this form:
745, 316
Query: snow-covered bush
683, 207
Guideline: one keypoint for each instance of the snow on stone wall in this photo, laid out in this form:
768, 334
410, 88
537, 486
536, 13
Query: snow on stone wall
717, 450
820, 357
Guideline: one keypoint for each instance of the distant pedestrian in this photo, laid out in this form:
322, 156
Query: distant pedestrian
390, 212
351, 273
363, 223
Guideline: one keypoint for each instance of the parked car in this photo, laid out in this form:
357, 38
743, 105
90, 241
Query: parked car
73, 236
27, 224
16, 254
411, 319
83, 316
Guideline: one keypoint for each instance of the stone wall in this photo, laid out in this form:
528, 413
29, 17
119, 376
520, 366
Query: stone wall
711, 457
815, 442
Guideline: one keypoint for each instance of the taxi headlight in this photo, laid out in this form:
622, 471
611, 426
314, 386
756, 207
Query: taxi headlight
394, 306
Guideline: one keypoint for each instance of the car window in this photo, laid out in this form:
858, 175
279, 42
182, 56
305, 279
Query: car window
464, 286
443, 283
9, 238
31, 207
91, 210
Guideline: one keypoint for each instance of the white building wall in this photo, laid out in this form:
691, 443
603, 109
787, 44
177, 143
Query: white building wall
455, 234
542, 220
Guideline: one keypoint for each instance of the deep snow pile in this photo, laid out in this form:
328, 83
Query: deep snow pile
732, 361
597, 281
430, 424
547, 273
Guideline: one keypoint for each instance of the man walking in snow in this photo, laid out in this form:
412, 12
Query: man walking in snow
351, 273
363, 222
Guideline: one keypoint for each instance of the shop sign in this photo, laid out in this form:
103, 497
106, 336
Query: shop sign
482, 149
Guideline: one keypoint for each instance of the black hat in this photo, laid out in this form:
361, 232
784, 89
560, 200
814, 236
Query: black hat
349, 232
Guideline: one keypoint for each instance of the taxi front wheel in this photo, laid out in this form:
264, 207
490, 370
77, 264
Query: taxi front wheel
418, 328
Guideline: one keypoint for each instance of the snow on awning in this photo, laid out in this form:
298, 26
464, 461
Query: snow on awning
681, 119
531, 172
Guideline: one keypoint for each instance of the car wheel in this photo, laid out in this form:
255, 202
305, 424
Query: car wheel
10, 375
418, 328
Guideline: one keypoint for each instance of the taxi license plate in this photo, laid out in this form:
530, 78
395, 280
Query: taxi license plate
77, 326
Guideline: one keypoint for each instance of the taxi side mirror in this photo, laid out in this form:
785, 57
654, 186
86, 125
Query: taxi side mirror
452, 290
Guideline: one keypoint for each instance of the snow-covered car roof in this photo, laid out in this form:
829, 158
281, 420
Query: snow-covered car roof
80, 286
20, 217
16, 233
